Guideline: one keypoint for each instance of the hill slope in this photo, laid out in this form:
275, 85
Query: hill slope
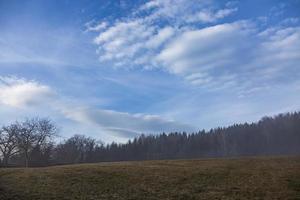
249, 178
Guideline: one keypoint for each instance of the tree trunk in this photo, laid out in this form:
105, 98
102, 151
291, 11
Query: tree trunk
5, 161
26, 159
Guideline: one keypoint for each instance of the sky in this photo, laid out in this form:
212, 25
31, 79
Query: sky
115, 69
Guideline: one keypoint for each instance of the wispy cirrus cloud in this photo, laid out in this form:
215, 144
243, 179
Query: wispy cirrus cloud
125, 124
223, 57
184, 12
135, 41
204, 49
193, 44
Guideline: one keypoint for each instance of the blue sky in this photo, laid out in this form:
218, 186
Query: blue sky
115, 69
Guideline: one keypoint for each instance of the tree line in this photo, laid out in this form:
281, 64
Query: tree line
31, 143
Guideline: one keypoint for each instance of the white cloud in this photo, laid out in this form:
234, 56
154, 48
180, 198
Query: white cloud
169, 35
134, 41
234, 55
124, 124
200, 50
283, 44
291, 20
184, 11
277, 55
162, 36
209, 16
278, 9
92, 26
21, 93
27, 97
123, 41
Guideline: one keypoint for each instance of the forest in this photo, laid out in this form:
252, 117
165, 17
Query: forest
32, 143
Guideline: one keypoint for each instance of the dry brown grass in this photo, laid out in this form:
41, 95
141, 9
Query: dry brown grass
245, 178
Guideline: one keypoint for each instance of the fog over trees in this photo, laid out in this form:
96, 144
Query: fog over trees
31, 143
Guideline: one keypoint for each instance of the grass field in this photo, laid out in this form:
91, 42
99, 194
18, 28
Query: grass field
246, 178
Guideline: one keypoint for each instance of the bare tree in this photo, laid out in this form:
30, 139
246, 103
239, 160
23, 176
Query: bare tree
46, 130
27, 137
33, 134
77, 149
8, 142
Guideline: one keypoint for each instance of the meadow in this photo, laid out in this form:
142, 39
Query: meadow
234, 178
